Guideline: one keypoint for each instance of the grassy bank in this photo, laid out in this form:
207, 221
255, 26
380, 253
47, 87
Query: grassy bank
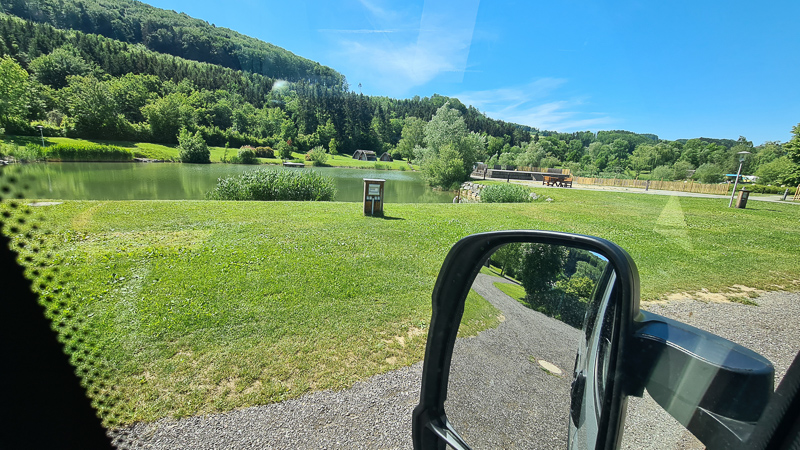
197, 306
170, 153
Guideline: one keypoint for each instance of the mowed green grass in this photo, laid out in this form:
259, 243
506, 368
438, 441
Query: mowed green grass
167, 152
201, 306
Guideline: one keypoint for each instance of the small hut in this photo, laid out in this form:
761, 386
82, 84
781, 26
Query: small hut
386, 157
365, 155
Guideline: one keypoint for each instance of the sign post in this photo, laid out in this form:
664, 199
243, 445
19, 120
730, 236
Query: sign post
373, 196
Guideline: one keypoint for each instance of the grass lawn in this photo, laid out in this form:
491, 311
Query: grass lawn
514, 291
201, 306
167, 152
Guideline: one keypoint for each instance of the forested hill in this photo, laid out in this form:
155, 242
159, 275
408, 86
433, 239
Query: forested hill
175, 34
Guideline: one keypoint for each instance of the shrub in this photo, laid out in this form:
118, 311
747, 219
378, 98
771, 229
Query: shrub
317, 156
275, 184
247, 155
27, 153
764, 189
87, 152
662, 173
333, 147
505, 193
285, 149
193, 148
265, 152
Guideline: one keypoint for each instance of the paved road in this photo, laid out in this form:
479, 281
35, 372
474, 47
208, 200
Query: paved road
775, 198
499, 397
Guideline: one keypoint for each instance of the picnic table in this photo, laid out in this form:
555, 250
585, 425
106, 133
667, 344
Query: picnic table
557, 181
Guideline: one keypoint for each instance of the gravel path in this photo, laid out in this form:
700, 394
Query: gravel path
515, 394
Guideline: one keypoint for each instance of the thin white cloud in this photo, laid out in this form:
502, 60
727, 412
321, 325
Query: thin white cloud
435, 44
532, 105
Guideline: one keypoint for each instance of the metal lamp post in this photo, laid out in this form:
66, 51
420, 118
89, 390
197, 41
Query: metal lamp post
41, 133
738, 173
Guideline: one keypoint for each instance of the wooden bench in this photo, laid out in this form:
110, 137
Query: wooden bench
557, 181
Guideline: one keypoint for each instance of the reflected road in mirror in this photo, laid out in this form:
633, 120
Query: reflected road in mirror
510, 386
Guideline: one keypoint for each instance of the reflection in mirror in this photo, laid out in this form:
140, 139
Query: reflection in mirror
510, 386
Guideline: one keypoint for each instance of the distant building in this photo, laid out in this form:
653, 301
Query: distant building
386, 157
365, 155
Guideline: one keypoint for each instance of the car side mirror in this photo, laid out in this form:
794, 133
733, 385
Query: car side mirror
570, 300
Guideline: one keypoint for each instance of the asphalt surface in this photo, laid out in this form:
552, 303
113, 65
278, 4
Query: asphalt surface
774, 198
500, 397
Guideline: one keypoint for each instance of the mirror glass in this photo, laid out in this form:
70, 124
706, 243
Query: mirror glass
512, 380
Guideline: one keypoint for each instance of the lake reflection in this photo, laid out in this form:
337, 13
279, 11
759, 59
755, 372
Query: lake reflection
173, 181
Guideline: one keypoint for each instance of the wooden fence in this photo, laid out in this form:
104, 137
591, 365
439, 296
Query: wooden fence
682, 186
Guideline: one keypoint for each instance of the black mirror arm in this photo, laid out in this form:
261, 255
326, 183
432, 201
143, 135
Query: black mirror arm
715, 388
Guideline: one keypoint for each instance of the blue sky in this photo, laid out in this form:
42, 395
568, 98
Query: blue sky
678, 69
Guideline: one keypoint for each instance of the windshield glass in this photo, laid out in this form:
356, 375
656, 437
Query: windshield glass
234, 213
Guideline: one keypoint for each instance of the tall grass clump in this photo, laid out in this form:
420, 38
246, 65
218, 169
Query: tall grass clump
275, 184
505, 193
23, 153
86, 152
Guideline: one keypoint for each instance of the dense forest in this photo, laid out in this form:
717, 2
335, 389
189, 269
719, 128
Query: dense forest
174, 34
106, 78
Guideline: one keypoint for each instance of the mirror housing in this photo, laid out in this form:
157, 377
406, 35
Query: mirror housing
717, 389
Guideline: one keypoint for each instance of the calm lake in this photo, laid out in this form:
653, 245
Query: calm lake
173, 181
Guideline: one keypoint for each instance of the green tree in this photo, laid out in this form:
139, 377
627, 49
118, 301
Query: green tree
285, 148
445, 169
680, 170
13, 90
540, 269
793, 152
642, 158
664, 173
776, 171
168, 115
193, 148
54, 68
326, 133
92, 107
333, 147
709, 173
448, 139
412, 135
509, 258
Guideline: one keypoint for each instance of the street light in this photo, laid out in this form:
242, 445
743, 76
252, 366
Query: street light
41, 133
738, 173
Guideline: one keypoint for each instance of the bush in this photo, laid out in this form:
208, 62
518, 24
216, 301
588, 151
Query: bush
505, 193
265, 152
27, 153
285, 149
664, 173
317, 156
193, 148
87, 152
275, 184
247, 155
764, 189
